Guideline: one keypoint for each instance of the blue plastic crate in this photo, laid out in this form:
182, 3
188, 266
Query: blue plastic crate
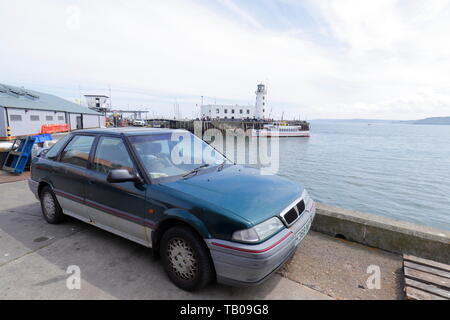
17, 160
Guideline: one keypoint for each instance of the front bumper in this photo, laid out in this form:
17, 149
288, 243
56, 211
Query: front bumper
243, 264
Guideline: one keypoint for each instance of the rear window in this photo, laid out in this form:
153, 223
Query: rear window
52, 153
77, 151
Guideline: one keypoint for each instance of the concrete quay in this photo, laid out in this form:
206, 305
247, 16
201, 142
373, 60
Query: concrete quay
34, 257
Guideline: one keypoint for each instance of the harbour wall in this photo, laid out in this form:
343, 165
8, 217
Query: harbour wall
231, 126
384, 233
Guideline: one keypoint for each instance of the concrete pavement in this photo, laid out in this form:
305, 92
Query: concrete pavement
341, 269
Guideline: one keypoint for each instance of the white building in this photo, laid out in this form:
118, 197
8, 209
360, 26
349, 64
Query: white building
258, 111
97, 102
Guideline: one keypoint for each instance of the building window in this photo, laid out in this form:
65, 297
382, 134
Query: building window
34, 118
49, 118
226, 111
241, 111
248, 111
232, 110
264, 110
15, 117
264, 103
61, 118
217, 111
264, 97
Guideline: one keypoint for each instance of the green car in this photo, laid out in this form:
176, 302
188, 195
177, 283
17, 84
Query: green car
206, 217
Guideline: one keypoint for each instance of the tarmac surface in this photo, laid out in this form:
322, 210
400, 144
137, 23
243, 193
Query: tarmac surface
35, 257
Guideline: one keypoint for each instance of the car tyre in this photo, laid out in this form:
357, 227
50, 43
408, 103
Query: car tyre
51, 209
186, 258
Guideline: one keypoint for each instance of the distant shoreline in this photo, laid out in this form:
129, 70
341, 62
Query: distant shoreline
428, 121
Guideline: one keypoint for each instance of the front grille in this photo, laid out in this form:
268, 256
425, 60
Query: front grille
291, 216
294, 213
301, 207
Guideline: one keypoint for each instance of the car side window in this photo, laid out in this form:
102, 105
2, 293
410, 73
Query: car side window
112, 154
77, 151
52, 153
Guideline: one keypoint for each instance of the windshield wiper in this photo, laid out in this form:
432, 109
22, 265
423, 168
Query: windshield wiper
195, 170
221, 165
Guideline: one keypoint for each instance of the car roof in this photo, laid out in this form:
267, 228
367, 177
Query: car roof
129, 131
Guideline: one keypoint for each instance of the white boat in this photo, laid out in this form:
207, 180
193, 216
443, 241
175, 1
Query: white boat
282, 130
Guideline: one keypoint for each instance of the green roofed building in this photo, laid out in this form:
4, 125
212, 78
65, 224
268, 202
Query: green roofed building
24, 111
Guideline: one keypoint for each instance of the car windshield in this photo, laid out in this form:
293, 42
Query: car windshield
175, 154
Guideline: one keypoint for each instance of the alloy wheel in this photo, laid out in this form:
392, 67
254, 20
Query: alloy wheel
49, 205
182, 259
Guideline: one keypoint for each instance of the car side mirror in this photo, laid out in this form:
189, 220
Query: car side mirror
122, 175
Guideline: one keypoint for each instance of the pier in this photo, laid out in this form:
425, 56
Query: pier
331, 263
236, 126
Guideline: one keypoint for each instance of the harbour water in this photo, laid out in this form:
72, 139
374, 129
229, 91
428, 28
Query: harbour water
400, 171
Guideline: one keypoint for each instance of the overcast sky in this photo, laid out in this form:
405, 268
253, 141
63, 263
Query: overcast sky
319, 58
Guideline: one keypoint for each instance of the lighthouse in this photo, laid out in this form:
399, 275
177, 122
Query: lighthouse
260, 106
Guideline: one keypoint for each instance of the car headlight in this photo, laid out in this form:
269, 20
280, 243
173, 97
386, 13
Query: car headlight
259, 232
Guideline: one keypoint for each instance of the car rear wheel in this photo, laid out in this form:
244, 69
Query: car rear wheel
186, 259
50, 207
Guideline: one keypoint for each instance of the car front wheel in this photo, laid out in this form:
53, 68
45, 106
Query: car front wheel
186, 259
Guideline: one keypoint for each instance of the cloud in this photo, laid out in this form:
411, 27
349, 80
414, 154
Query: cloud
396, 50
353, 58
229, 4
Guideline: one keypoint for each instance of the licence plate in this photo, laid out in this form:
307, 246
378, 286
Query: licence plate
302, 232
